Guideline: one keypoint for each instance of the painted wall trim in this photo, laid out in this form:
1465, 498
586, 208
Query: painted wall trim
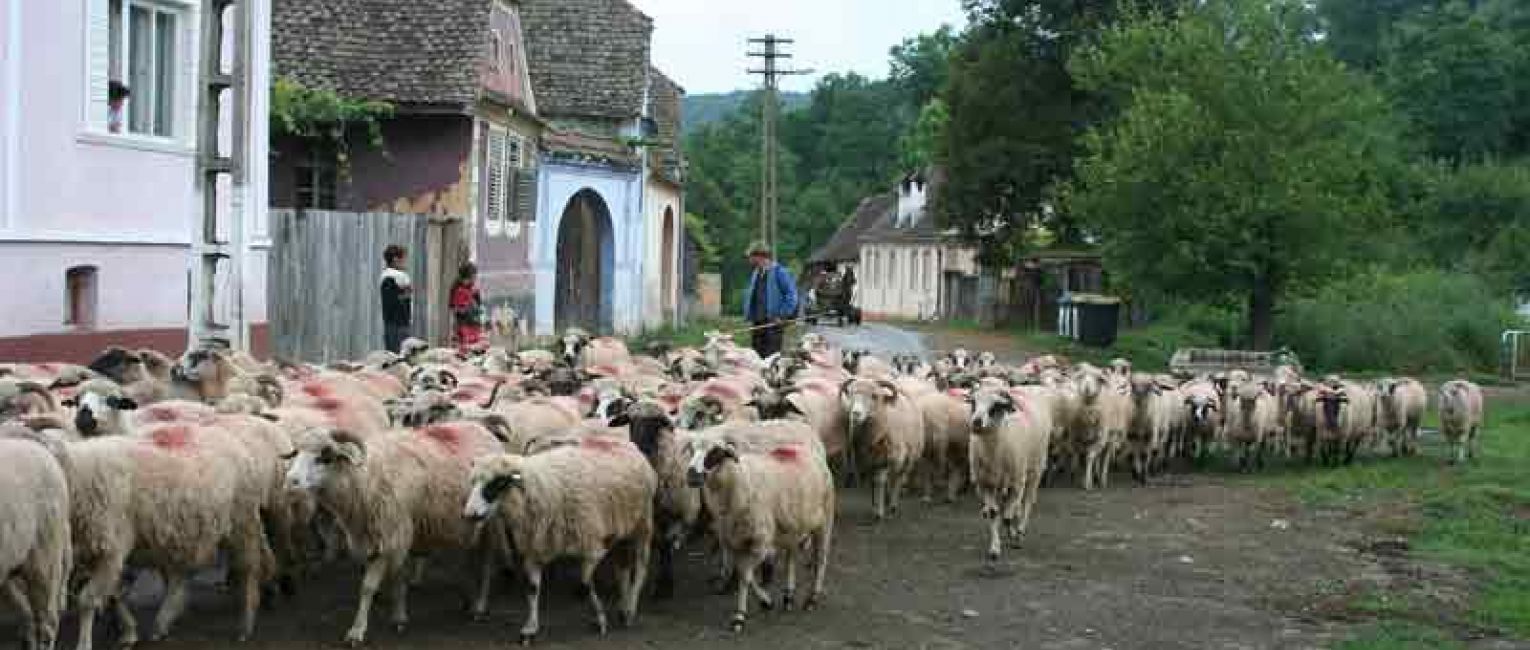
10, 186
93, 239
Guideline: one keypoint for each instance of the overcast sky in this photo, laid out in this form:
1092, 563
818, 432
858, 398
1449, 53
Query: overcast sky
701, 43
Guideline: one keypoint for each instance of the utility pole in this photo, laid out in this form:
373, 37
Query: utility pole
772, 53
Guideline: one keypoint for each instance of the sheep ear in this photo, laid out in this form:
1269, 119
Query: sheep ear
621, 420
449, 377
122, 403
351, 452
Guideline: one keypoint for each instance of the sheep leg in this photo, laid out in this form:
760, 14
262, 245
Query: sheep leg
992, 515
642, 549
824, 538
788, 557
664, 586
173, 605
377, 569
745, 569
533, 603
879, 494
587, 581
1091, 458
895, 496
29, 614
400, 618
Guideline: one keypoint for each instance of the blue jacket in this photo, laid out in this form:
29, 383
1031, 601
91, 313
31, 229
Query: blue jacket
780, 294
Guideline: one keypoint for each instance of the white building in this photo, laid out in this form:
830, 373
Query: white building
910, 268
97, 211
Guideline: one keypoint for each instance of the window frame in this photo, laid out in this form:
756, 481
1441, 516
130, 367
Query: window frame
81, 296
182, 75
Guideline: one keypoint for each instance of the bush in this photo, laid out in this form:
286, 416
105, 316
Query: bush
1414, 322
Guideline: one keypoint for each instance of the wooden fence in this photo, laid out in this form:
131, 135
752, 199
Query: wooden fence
325, 267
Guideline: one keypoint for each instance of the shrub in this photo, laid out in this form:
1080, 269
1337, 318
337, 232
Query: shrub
1418, 321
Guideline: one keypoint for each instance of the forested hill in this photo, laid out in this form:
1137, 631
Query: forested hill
706, 108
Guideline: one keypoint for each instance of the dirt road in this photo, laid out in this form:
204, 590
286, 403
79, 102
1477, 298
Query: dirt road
1195, 562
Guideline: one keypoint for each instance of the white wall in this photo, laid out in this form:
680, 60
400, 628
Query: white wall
72, 193
622, 193
660, 196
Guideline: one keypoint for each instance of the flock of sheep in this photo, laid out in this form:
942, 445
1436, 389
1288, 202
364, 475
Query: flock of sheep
140, 462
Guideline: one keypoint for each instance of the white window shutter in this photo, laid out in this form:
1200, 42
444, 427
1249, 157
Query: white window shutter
98, 62
494, 194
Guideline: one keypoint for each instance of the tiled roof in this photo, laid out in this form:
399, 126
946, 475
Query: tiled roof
403, 51
587, 58
846, 242
581, 147
666, 95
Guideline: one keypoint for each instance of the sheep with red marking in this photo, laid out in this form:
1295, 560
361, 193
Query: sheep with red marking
714, 402
586, 501
947, 428
768, 504
816, 403
170, 496
395, 494
35, 551
886, 433
1461, 415
538, 417
1007, 458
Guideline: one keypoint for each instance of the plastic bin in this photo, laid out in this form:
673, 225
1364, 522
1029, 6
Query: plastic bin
1099, 319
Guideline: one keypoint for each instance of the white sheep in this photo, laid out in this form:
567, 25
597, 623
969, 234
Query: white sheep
584, 501
1105, 414
1253, 422
767, 505
1007, 459
35, 551
1461, 417
886, 438
947, 427
1153, 417
1400, 407
394, 494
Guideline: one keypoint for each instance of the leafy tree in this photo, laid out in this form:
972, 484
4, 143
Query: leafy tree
1246, 156
325, 117
921, 65
920, 147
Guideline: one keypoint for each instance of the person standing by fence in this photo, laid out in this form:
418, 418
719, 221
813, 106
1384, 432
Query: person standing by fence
397, 298
770, 301
467, 308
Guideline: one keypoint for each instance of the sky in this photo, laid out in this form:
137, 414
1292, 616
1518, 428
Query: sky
701, 44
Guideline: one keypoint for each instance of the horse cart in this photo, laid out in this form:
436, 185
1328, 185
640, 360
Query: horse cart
829, 300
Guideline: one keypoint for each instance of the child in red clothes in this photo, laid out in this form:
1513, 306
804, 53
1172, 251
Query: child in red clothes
467, 308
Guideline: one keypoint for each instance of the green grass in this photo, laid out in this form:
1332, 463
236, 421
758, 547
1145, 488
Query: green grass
1475, 518
692, 333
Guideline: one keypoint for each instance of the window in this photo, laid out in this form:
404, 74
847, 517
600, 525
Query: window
80, 297
143, 60
316, 181
503, 180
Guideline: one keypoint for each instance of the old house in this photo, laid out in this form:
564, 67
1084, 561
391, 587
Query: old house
599, 214
99, 196
664, 203
843, 250
464, 137
911, 268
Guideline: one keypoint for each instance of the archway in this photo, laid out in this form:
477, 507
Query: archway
584, 264
668, 261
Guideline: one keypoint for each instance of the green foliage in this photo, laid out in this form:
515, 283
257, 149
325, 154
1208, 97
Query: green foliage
325, 116
1469, 517
691, 334
921, 146
920, 65
1423, 321
701, 109
1476, 218
1245, 155
697, 227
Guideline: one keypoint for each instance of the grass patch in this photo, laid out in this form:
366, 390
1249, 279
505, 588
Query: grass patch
692, 333
1474, 518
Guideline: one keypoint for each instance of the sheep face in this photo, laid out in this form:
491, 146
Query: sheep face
610, 399
426, 408
120, 365
571, 346
861, 398
412, 348
989, 408
562, 381
706, 457
852, 360
491, 478
1202, 409
24, 398
1090, 384
198, 365
322, 457
433, 378
987, 360
961, 359
776, 405
700, 412
1121, 367
647, 423
101, 410
1143, 388
1331, 406
780, 371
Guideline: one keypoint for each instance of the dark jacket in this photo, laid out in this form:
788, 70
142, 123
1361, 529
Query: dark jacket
780, 294
396, 301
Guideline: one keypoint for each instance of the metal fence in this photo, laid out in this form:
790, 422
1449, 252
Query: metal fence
325, 267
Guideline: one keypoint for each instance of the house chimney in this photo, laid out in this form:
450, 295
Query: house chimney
911, 200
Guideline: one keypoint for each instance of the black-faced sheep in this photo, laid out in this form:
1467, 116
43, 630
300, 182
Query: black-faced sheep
886, 432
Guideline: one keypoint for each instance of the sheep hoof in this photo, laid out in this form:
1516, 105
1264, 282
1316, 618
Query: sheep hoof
527, 638
811, 604
399, 627
481, 617
626, 619
993, 556
737, 625
354, 641
767, 604
788, 602
600, 626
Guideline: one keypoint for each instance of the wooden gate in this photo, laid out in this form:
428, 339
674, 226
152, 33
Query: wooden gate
325, 267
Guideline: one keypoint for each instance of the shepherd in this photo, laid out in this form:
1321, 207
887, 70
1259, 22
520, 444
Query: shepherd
770, 301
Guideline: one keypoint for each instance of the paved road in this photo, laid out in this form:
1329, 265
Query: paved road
881, 339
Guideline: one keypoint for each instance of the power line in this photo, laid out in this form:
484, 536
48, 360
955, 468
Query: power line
773, 52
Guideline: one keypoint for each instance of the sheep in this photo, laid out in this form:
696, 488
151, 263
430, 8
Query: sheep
585, 501
1401, 403
397, 493
23, 398
1461, 417
1121, 368
1252, 422
947, 428
817, 404
960, 359
1346, 413
1007, 458
35, 551
1154, 406
677, 507
171, 495
1105, 414
715, 401
1203, 419
767, 505
1299, 408
206, 373
871, 367
538, 417
987, 360
886, 437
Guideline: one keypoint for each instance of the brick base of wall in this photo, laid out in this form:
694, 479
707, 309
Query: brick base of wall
83, 347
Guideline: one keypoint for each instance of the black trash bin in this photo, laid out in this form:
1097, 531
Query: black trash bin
1098, 319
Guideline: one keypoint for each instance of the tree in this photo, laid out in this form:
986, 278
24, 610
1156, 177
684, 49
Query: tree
920, 147
1246, 156
921, 65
